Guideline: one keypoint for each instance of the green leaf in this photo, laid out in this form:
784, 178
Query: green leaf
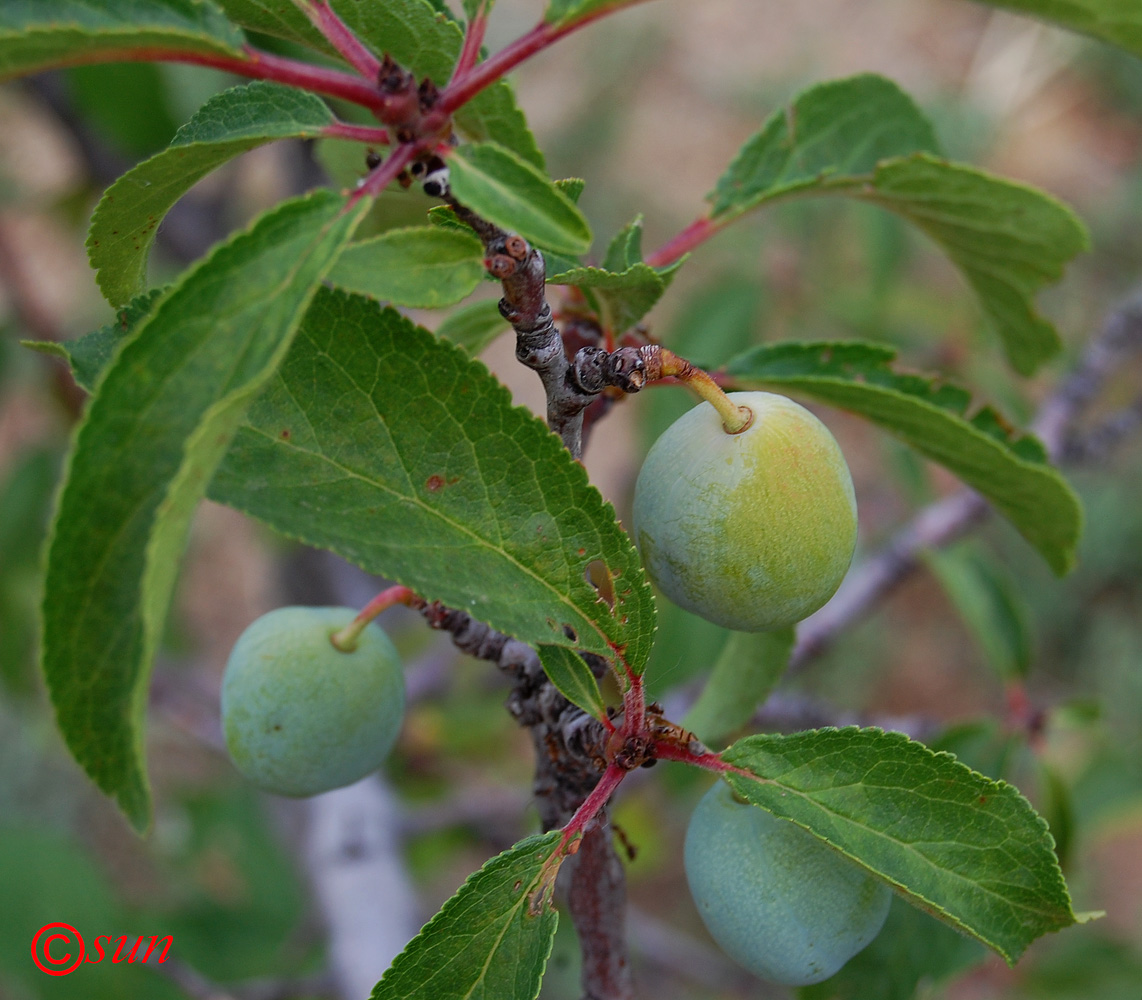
90, 354
563, 12
624, 289
863, 137
573, 678
514, 194
1007, 239
968, 850
426, 266
428, 43
126, 218
1010, 471
491, 939
40, 34
990, 604
278, 18
831, 133
472, 7
623, 299
1116, 21
912, 947
494, 115
474, 327
747, 669
397, 451
625, 249
162, 418
411, 31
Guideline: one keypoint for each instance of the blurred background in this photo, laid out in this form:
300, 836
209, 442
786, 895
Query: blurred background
983, 651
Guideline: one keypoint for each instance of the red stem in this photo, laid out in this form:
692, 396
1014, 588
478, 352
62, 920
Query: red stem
600, 794
634, 705
385, 174
473, 39
463, 88
256, 64
358, 133
709, 761
693, 235
385, 600
341, 37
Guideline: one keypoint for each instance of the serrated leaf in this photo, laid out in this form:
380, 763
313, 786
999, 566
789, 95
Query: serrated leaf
1008, 240
126, 218
1116, 21
40, 34
411, 31
490, 940
622, 298
397, 451
1010, 471
911, 948
830, 133
572, 187
968, 850
90, 354
567, 671
990, 604
747, 669
625, 249
425, 266
515, 195
163, 416
494, 115
474, 327
863, 137
279, 19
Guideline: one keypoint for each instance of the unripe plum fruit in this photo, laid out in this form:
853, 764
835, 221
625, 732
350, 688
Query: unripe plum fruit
753, 530
778, 900
303, 717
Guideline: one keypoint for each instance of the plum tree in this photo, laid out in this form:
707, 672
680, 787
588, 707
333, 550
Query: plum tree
779, 901
752, 530
302, 716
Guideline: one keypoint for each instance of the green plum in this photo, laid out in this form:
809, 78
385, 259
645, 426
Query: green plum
778, 900
754, 530
303, 717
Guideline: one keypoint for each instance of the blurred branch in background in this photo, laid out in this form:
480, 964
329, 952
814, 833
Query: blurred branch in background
950, 518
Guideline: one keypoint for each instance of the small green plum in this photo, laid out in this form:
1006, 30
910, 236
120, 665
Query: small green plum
754, 530
302, 717
778, 900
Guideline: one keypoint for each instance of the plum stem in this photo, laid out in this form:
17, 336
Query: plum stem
345, 640
735, 419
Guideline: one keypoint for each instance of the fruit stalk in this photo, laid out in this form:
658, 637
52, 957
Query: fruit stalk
735, 418
345, 640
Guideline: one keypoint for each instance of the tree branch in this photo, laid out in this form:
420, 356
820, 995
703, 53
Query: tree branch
949, 519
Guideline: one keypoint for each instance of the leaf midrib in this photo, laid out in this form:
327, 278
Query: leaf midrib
462, 529
905, 845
